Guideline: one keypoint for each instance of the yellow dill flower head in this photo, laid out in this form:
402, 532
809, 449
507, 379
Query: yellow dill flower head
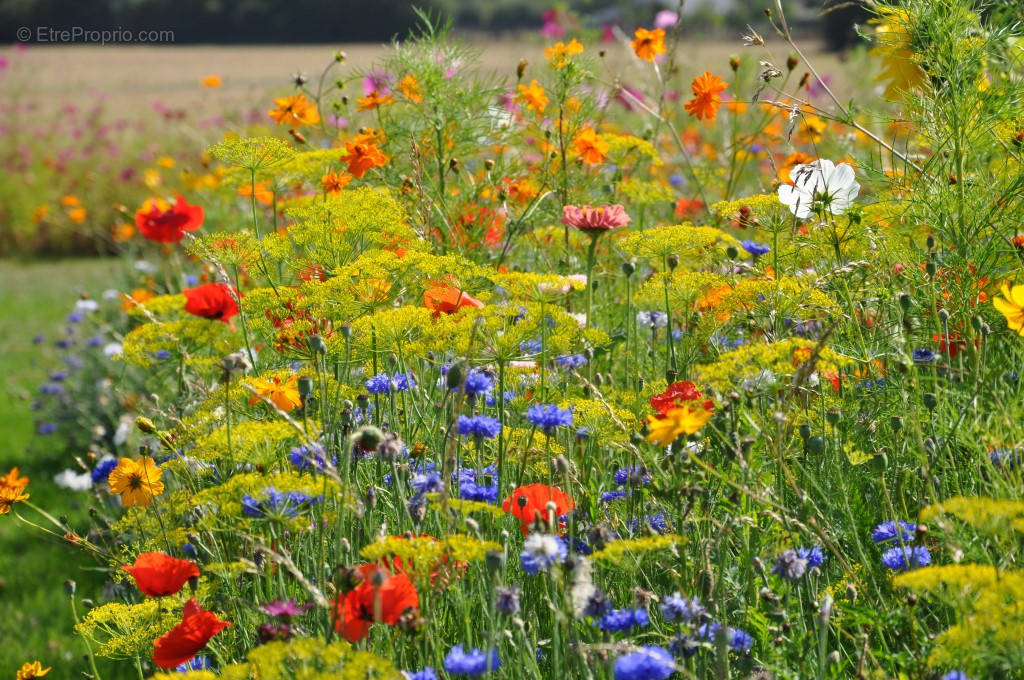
142, 304
625, 149
232, 249
678, 421
980, 512
122, 631
695, 247
260, 442
537, 287
640, 192
252, 153
635, 549
197, 342
756, 365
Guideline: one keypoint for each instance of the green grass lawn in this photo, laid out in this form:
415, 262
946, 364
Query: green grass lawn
35, 614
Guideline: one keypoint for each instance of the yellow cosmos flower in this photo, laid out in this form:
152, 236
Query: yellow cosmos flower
1011, 305
678, 421
32, 670
137, 481
284, 395
10, 495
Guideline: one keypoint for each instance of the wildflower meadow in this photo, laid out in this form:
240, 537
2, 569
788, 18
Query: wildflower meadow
609, 364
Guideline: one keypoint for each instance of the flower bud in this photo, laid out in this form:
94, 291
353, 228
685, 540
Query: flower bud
734, 63
521, 69
145, 425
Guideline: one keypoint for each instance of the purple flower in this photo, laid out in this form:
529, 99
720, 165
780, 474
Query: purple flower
675, 607
755, 249
286, 609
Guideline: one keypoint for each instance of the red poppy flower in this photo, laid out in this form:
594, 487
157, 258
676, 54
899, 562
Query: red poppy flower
212, 301
530, 503
381, 597
159, 575
168, 225
445, 299
180, 644
678, 394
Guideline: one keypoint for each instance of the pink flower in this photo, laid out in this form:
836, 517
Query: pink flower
665, 19
591, 219
607, 33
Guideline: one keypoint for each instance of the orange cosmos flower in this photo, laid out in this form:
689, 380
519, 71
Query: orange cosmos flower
374, 100
294, 110
447, 300
410, 88
264, 194
589, 146
705, 102
284, 395
532, 96
70, 201
334, 182
362, 153
136, 297
211, 81
137, 481
793, 160
30, 671
12, 480
560, 53
648, 44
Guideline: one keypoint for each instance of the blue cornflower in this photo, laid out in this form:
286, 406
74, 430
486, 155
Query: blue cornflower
675, 607
75, 317
789, 565
425, 674
379, 384
474, 662
198, 663
103, 469
570, 360
59, 376
924, 356
684, 645
94, 341
482, 487
162, 354
46, 428
955, 675
548, 417
312, 456
277, 504
905, 557
652, 663
50, 389
404, 382
618, 620
583, 432
478, 381
530, 347
756, 249
64, 343
191, 280
890, 531
609, 496
739, 639
540, 551
675, 179
484, 427
634, 475
506, 600
814, 556
492, 400
427, 482
657, 523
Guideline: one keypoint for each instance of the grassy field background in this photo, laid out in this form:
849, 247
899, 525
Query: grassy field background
35, 617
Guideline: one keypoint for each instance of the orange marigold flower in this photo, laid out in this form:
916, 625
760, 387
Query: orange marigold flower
648, 44
137, 481
410, 88
560, 53
284, 395
334, 182
374, 100
9, 496
362, 153
706, 88
12, 480
294, 110
1018, 242
32, 670
532, 96
589, 146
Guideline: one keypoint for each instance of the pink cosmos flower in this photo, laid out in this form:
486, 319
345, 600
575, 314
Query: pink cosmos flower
595, 219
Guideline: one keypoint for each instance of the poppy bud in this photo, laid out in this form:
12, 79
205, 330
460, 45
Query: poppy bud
305, 387
930, 269
792, 61
628, 268
976, 322
930, 242
455, 376
453, 165
346, 330
943, 315
368, 437
489, 164
732, 252
69, 587
816, 445
349, 579
316, 344
673, 261
495, 559
905, 301
521, 69
560, 465
929, 400
805, 432
758, 566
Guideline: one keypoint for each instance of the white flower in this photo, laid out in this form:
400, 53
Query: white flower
111, 294
86, 306
112, 349
821, 184
145, 267
69, 479
542, 545
652, 319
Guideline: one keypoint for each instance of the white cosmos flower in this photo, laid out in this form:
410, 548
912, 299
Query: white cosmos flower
821, 184
69, 479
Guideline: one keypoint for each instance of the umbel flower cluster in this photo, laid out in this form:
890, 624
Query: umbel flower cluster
689, 375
